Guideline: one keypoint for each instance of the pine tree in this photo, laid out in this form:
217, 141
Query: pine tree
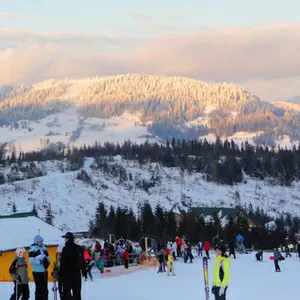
147, 220
49, 215
14, 208
34, 210
101, 220
159, 222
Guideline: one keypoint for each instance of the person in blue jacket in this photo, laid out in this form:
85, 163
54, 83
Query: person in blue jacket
40, 261
240, 243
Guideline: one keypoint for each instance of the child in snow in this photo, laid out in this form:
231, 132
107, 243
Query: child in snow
170, 264
19, 274
277, 258
259, 256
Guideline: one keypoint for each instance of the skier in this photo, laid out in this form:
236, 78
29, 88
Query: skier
72, 265
206, 247
40, 261
19, 274
232, 249
277, 258
170, 265
259, 256
221, 273
174, 250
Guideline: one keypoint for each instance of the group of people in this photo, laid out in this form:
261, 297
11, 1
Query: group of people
70, 264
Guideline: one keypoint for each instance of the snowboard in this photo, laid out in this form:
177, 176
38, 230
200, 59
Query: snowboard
205, 274
281, 258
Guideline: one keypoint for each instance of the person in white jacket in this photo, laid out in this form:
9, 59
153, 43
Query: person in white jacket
174, 250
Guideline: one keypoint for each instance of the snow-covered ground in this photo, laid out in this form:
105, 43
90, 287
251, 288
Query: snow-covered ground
73, 202
60, 127
249, 280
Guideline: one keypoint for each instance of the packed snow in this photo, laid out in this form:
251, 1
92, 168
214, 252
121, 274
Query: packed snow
249, 280
22, 231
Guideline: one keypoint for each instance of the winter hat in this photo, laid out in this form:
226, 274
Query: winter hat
221, 248
20, 252
38, 239
69, 235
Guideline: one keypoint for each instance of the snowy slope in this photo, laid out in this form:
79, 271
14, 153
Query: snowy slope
74, 202
249, 280
59, 127
23, 230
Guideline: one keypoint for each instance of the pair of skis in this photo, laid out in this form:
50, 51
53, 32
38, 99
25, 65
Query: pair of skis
54, 274
205, 274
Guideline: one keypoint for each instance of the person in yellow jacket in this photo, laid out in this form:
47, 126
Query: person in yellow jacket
170, 265
221, 273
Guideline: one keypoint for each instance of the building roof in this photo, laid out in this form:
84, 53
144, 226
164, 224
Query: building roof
176, 209
221, 211
19, 230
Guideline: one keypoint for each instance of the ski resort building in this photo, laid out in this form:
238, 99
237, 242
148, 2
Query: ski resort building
18, 230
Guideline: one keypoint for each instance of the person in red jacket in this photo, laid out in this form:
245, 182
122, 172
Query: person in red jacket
179, 244
126, 258
206, 247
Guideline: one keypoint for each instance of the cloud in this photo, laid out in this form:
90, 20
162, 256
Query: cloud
139, 17
17, 16
264, 59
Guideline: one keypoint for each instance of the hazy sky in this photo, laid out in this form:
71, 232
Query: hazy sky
253, 43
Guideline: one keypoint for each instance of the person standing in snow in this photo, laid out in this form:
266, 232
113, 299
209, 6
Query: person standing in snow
259, 256
19, 274
240, 243
88, 264
206, 247
72, 266
200, 249
174, 250
126, 258
232, 249
277, 258
221, 273
287, 250
298, 249
59, 280
40, 261
170, 265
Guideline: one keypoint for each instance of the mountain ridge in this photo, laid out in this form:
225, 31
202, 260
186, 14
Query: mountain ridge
167, 106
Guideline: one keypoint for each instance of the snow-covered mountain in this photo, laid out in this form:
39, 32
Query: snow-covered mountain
74, 200
138, 107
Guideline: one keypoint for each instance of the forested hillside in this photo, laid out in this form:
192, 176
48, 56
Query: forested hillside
169, 106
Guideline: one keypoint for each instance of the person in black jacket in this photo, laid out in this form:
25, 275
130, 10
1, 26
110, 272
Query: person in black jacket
72, 267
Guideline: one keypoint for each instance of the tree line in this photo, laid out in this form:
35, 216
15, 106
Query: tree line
161, 225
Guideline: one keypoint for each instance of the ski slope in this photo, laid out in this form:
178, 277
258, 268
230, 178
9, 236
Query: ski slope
249, 280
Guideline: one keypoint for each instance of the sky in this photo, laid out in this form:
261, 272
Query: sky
255, 44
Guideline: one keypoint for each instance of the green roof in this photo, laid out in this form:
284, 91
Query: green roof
18, 215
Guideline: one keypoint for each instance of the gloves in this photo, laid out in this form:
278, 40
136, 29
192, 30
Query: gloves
46, 253
213, 289
221, 291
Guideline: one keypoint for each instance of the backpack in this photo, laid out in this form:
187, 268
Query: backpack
13, 267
